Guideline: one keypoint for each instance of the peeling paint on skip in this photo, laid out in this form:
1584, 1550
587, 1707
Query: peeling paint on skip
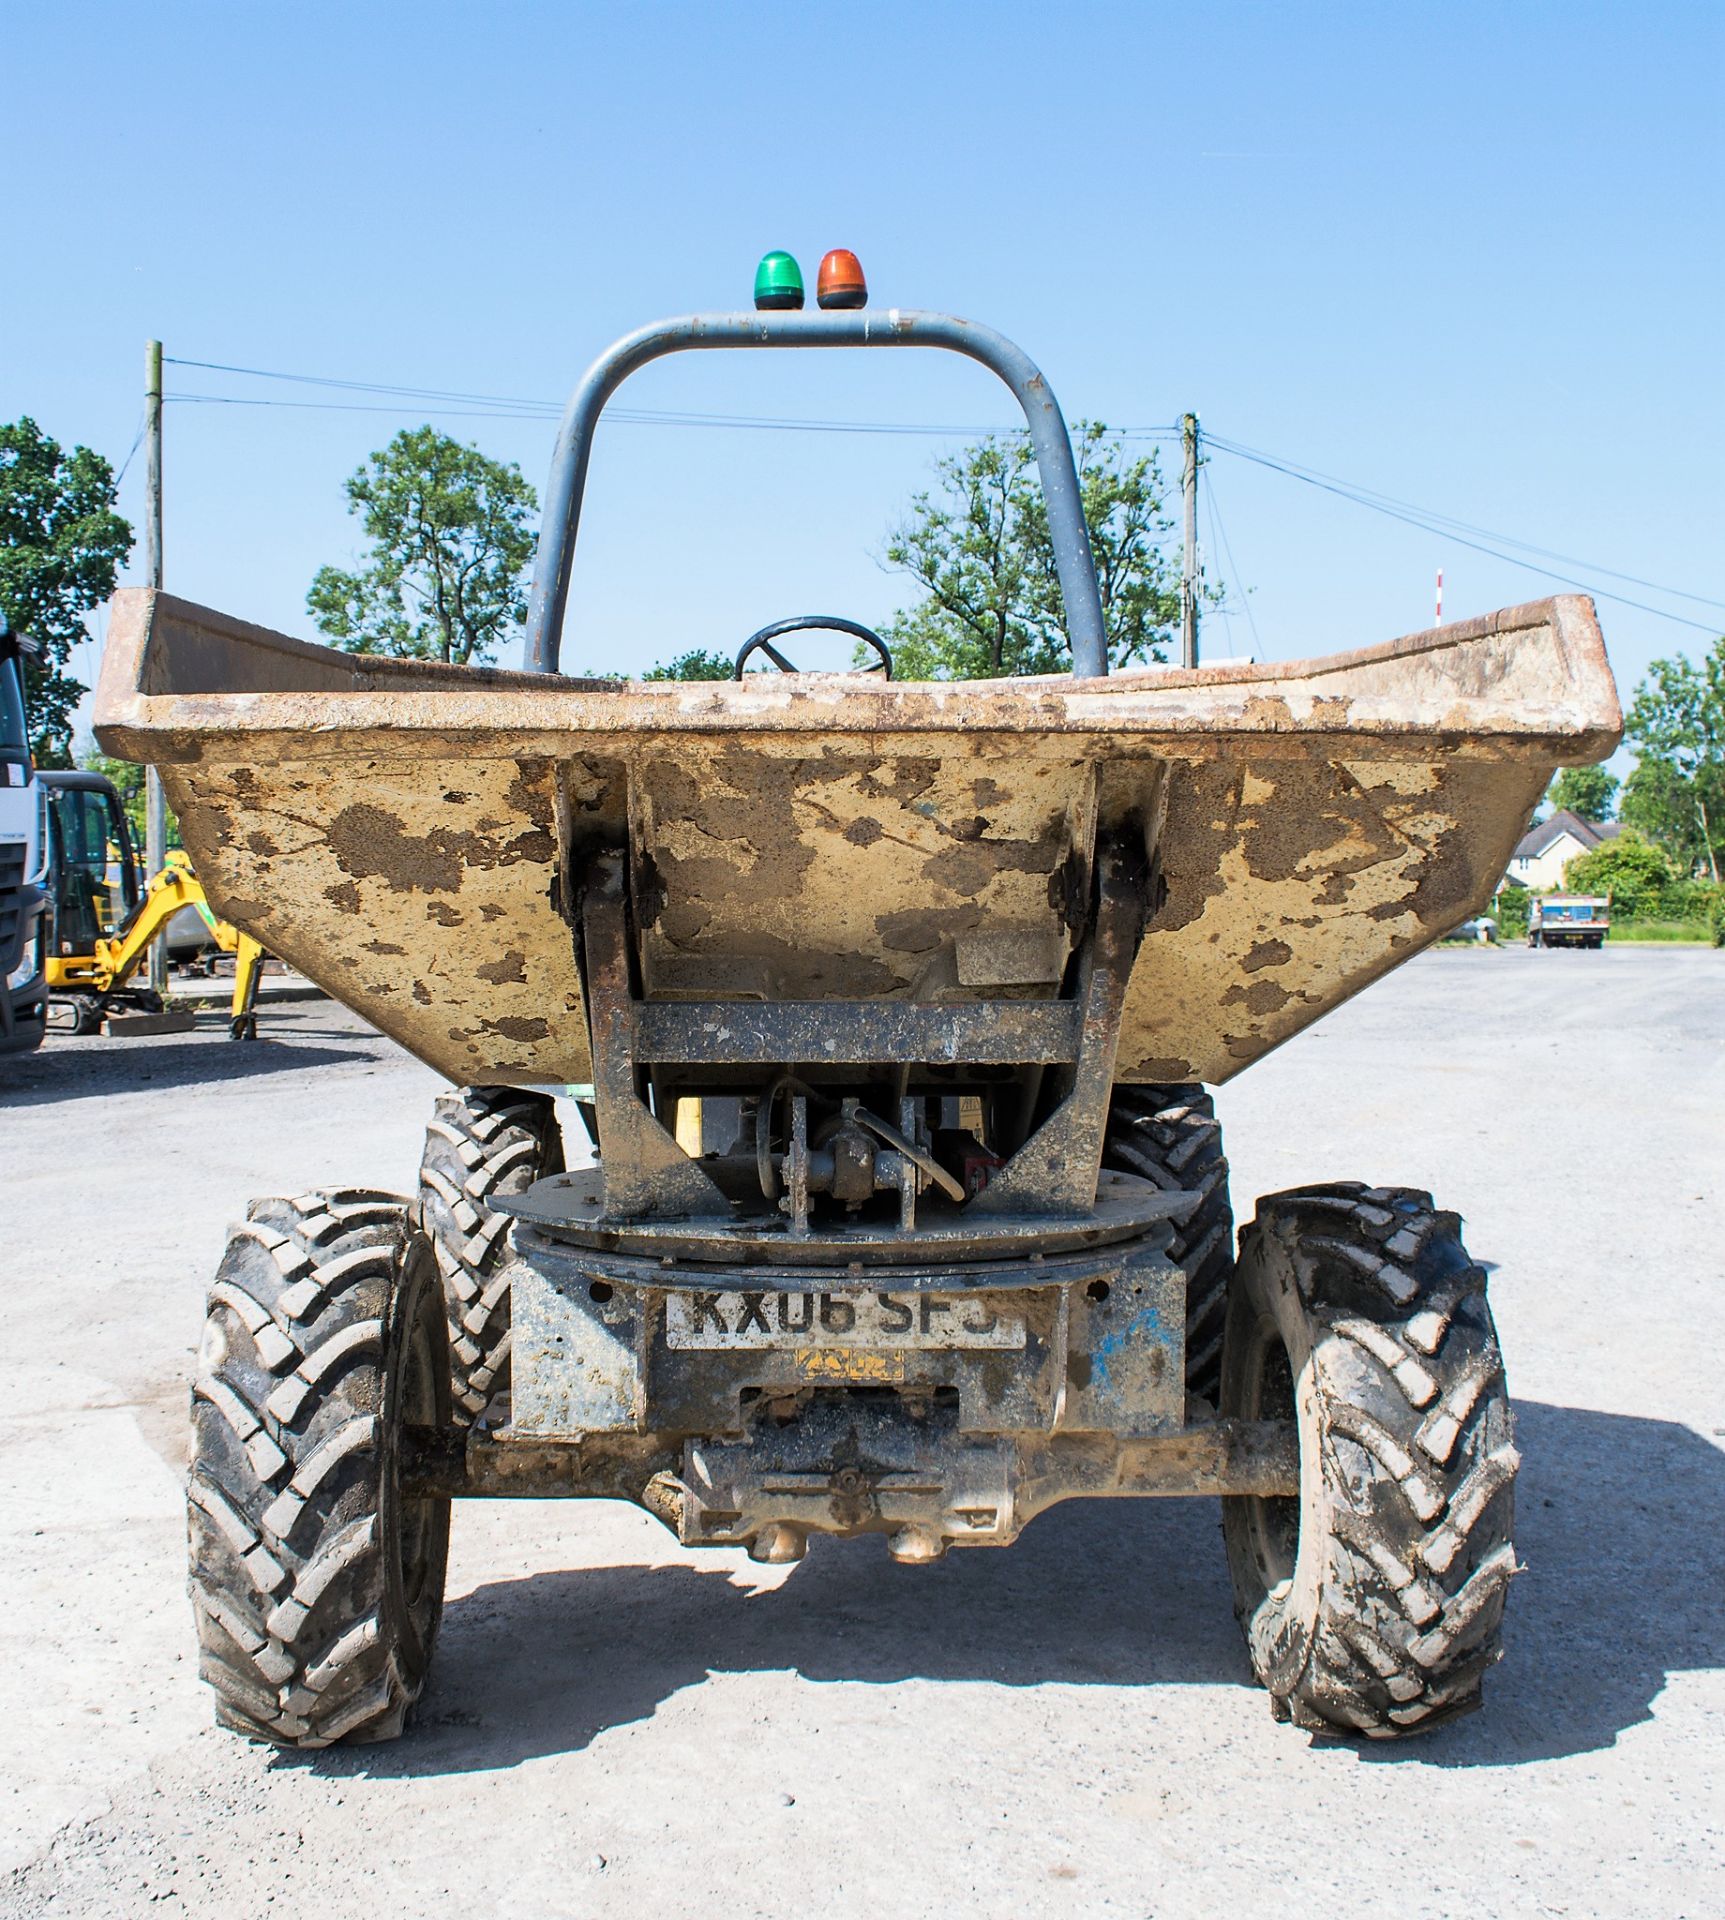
1312, 825
369, 842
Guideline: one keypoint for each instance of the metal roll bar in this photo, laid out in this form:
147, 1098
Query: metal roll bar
866, 327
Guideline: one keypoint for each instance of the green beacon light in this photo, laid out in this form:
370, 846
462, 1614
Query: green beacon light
778, 283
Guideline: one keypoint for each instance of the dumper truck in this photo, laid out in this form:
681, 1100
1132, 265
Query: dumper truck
896, 1010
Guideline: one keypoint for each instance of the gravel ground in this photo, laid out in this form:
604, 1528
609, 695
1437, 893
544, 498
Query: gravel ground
617, 1726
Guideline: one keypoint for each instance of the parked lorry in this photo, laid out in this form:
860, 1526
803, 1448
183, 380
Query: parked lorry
899, 1005
1568, 920
23, 991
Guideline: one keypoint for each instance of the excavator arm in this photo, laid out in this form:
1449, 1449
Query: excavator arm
116, 960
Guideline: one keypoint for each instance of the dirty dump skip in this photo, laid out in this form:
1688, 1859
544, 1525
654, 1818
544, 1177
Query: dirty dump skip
410, 835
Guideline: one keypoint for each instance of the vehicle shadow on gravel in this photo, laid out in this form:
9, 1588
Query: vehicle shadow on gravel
86, 1070
1092, 1595
1619, 1529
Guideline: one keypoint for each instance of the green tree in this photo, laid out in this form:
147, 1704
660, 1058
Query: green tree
1512, 909
1661, 805
450, 543
979, 547
699, 663
1587, 791
61, 545
1677, 721
1633, 871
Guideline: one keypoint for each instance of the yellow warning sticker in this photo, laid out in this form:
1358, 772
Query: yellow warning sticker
839, 1363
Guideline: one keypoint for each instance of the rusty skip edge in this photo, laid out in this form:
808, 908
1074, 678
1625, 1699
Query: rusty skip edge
1312, 832
182, 684
1231, 1457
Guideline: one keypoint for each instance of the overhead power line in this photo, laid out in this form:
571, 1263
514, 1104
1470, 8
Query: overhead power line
1245, 592
633, 416
496, 406
137, 441
456, 404
1451, 529
359, 386
352, 406
1503, 539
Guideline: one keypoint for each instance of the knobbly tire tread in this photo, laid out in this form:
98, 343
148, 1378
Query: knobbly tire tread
1389, 1628
1171, 1136
481, 1141
300, 1625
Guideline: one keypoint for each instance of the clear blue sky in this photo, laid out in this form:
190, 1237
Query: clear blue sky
1471, 256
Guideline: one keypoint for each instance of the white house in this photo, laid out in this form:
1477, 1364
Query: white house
1544, 851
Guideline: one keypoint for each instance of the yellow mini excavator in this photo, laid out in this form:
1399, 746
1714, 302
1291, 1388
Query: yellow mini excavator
103, 915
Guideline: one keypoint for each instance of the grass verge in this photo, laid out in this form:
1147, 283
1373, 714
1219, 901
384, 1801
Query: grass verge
1686, 933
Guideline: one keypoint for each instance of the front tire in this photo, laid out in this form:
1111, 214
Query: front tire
317, 1584
1372, 1603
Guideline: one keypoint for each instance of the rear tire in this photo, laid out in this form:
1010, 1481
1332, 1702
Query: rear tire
1372, 1603
482, 1142
317, 1586
1170, 1135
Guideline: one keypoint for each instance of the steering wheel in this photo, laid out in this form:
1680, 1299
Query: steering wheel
762, 642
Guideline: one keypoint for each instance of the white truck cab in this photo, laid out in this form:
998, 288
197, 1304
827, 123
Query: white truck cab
23, 990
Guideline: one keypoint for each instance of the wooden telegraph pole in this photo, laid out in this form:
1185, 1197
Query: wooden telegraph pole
1189, 551
156, 803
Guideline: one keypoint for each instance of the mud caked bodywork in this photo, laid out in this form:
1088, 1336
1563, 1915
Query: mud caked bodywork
794, 864
1311, 823
889, 1007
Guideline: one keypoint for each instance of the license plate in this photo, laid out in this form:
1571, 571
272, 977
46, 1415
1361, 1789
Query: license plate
727, 1320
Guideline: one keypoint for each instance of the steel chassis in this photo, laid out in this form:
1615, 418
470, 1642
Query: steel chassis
935, 1445
932, 1446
